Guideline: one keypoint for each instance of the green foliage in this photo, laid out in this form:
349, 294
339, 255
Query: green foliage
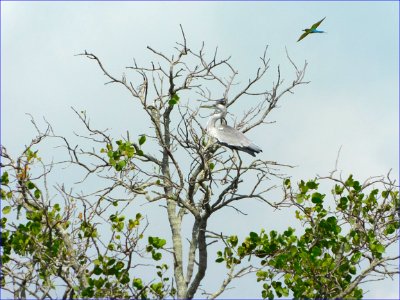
6, 209
31, 155
23, 239
87, 230
155, 243
109, 276
4, 180
120, 157
323, 261
134, 223
44, 239
174, 100
117, 222
159, 289
142, 140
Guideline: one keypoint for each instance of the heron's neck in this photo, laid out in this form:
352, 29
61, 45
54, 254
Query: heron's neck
213, 119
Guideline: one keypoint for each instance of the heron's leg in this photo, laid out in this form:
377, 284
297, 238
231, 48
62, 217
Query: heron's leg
238, 159
232, 166
234, 156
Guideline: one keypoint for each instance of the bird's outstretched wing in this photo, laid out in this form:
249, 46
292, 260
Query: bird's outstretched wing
308, 31
316, 24
303, 36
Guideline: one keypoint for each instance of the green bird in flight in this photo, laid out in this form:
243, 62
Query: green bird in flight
313, 29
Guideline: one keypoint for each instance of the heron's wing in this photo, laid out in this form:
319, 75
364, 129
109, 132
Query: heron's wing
234, 139
303, 36
317, 24
231, 136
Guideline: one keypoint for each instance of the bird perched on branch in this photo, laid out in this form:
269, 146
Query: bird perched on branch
227, 135
313, 29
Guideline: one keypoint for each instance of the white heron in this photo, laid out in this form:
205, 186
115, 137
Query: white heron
227, 135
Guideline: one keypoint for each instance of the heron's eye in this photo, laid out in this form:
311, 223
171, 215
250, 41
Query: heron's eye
221, 101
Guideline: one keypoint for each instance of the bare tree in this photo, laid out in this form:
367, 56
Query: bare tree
189, 172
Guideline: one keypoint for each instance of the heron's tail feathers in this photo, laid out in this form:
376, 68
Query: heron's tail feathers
252, 149
255, 148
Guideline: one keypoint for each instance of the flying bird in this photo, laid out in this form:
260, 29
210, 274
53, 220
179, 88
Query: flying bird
313, 29
227, 135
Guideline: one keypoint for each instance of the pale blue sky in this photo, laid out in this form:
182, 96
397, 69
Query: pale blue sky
352, 100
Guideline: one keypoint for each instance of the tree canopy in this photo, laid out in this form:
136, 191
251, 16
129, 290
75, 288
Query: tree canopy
72, 242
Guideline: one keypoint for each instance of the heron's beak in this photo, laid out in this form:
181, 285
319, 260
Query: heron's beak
207, 106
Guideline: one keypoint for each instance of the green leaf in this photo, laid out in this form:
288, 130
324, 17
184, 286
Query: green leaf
88, 292
312, 185
390, 229
233, 240
37, 194
338, 189
125, 278
316, 251
137, 283
142, 140
349, 182
356, 257
343, 203
156, 242
156, 255
317, 198
300, 198
119, 265
97, 270
254, 237
174, 100
358, 293
356, 186
30, 185
287, 183
380, 248
6, 209
120, 165
4, 178
288, 232
352, 270
99, 283
111, 262
132, 224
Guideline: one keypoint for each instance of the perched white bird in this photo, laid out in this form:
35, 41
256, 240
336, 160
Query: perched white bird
227, 135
